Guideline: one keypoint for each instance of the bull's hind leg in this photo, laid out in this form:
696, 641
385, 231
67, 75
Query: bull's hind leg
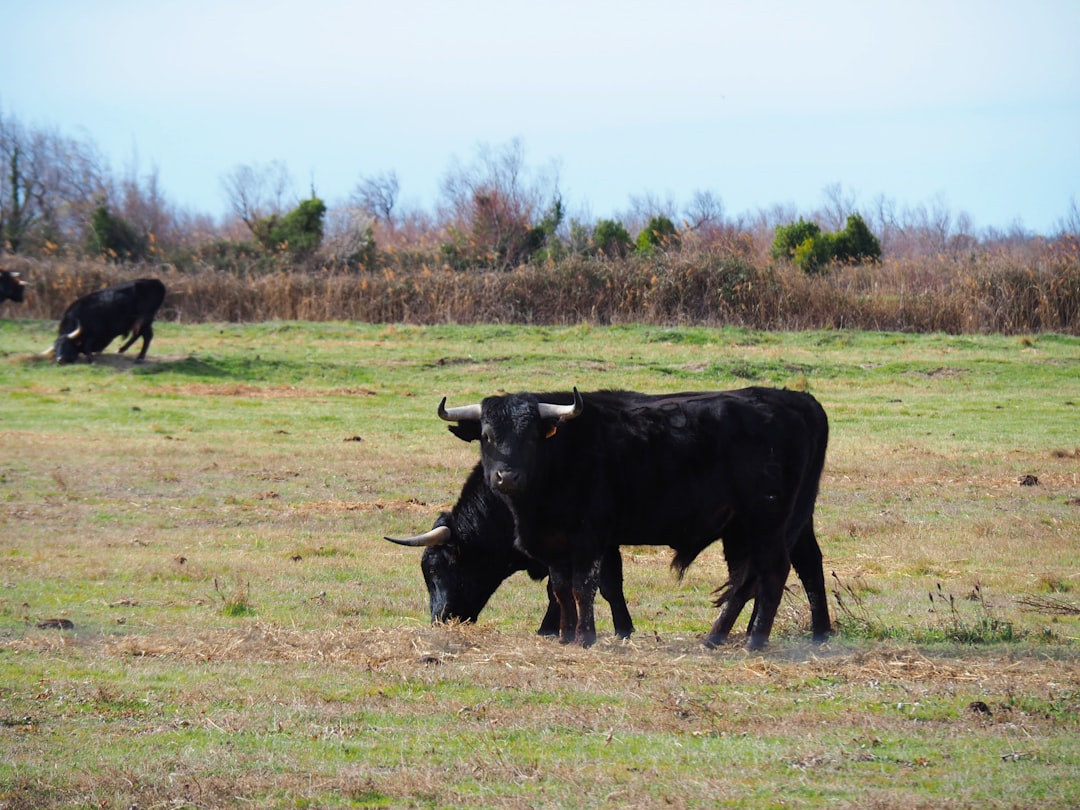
135, 328
806, 558
739, 590
772, 574
585, 582
147, 334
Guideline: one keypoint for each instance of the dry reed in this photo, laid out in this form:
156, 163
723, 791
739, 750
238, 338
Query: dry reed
1008, 293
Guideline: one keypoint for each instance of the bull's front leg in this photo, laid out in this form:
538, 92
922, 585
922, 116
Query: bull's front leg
563, 587
549, 625
586, 578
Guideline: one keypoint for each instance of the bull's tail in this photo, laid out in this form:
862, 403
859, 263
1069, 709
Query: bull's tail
683, 558
739, 576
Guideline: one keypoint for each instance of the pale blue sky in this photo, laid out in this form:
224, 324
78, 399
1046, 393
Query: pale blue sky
975, 104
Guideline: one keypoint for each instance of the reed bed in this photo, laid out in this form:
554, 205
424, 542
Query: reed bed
1006, 293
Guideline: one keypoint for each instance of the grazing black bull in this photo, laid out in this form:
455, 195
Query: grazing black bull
683, 470
11, 287
95, 320
470, 551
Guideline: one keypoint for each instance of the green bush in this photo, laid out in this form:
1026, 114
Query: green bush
659, 233
611, 238
856, 243
809, 248
789, 237
114, 238
298, 233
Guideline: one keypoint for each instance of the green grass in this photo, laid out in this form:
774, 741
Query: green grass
211, 524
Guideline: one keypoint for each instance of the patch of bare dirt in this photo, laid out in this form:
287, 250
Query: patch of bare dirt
493, 657
199, 389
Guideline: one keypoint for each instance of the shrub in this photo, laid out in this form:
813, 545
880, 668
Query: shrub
114, 238
790, 237
856, 243
809, 248
298, 233
611, 238
660, 233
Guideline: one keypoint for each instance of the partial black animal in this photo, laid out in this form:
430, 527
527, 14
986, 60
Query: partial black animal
95, 320
12, 287
609, 468
470, 551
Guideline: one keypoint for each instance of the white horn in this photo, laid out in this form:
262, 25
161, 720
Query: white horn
562, 412
438, 536
76, 333
463, 413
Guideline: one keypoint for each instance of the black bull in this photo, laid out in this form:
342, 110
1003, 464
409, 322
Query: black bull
613, 468
470, 551
11, 287
92, 322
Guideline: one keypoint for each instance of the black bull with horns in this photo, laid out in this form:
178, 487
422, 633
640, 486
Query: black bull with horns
470, 551
92, 322
613, 468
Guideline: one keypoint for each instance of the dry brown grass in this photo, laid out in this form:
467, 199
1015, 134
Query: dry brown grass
1037, 290
500, 690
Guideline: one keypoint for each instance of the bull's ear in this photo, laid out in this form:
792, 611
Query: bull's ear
466, 431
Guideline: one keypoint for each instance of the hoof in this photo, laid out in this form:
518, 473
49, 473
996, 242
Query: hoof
756, 642
714, 641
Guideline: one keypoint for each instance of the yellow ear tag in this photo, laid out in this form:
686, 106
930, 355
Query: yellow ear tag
552, 431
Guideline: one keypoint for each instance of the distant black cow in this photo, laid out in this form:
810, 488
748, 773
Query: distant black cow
95, 320
11, 286
683, 470
470, 551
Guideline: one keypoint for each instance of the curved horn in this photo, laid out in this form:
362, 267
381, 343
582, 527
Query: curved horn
49, 352
76, 333
463, 413
436, 537
562, 412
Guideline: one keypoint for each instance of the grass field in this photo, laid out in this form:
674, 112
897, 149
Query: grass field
197, 608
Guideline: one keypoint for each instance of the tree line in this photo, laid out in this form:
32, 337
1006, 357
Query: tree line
59, 197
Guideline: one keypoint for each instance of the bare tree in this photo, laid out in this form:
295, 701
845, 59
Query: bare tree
706, 211
493, 203
142, 204
255, 191
48, 187
838, 206
645, 207
378, 195
1069, 225
882, 220
349, 234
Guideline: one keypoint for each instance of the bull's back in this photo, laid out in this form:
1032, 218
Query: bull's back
115, 309
677, 468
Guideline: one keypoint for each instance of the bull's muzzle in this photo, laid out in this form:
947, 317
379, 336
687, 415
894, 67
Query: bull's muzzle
506, 481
